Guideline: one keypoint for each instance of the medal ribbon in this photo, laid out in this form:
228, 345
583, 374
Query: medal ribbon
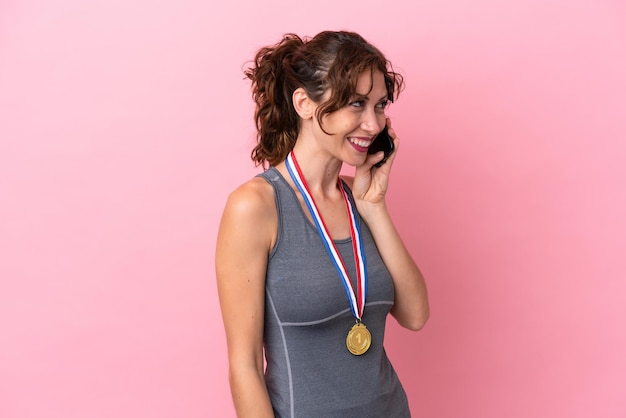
357, 302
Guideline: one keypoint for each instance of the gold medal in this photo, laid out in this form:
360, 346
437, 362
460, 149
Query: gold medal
359, 339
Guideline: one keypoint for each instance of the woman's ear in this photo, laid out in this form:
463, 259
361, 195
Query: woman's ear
302, 103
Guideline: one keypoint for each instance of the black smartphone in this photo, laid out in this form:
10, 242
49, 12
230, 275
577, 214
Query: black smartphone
382, 142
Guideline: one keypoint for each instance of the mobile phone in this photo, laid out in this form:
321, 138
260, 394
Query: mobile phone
382, 142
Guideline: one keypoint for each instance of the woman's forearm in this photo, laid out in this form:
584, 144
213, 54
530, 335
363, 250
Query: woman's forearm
411, 308
249, 392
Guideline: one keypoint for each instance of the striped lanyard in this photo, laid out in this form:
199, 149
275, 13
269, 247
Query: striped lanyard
356, 301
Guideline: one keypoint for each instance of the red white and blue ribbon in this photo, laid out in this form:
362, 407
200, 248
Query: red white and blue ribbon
356, 301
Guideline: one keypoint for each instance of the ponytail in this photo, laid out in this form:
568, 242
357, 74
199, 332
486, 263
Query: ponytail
272, 89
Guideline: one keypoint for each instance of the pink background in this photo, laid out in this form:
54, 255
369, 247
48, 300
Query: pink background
124, 124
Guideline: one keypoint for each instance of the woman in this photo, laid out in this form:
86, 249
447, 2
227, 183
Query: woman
308, 263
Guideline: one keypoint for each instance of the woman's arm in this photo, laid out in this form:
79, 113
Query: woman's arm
246, 235
369, 186
411, 308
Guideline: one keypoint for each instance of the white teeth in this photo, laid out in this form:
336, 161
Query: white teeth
360, 142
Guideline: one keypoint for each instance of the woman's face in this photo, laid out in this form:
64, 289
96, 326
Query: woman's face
354, 127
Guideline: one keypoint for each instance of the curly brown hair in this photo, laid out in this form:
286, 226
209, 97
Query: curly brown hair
329, 61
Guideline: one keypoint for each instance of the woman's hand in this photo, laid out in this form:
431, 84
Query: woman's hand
370, 182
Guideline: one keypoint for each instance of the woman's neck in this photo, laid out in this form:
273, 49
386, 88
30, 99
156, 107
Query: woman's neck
320, 169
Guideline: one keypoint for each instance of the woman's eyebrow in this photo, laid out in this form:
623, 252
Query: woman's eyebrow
360, 96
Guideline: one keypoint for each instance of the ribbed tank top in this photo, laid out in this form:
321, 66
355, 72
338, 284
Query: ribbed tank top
310, 373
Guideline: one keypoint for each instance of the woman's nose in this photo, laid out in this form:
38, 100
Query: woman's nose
372, 122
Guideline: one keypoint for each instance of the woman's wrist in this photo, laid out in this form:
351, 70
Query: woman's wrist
371, 212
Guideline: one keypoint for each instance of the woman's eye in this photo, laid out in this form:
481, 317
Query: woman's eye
357, 103
383, 104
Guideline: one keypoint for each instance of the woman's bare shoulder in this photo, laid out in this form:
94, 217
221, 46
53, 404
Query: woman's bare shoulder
253, 198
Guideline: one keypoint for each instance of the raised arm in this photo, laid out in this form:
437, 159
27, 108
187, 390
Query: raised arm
246, 235
369, 186
411, 308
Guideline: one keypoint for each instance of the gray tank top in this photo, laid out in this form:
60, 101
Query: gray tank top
310, 373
